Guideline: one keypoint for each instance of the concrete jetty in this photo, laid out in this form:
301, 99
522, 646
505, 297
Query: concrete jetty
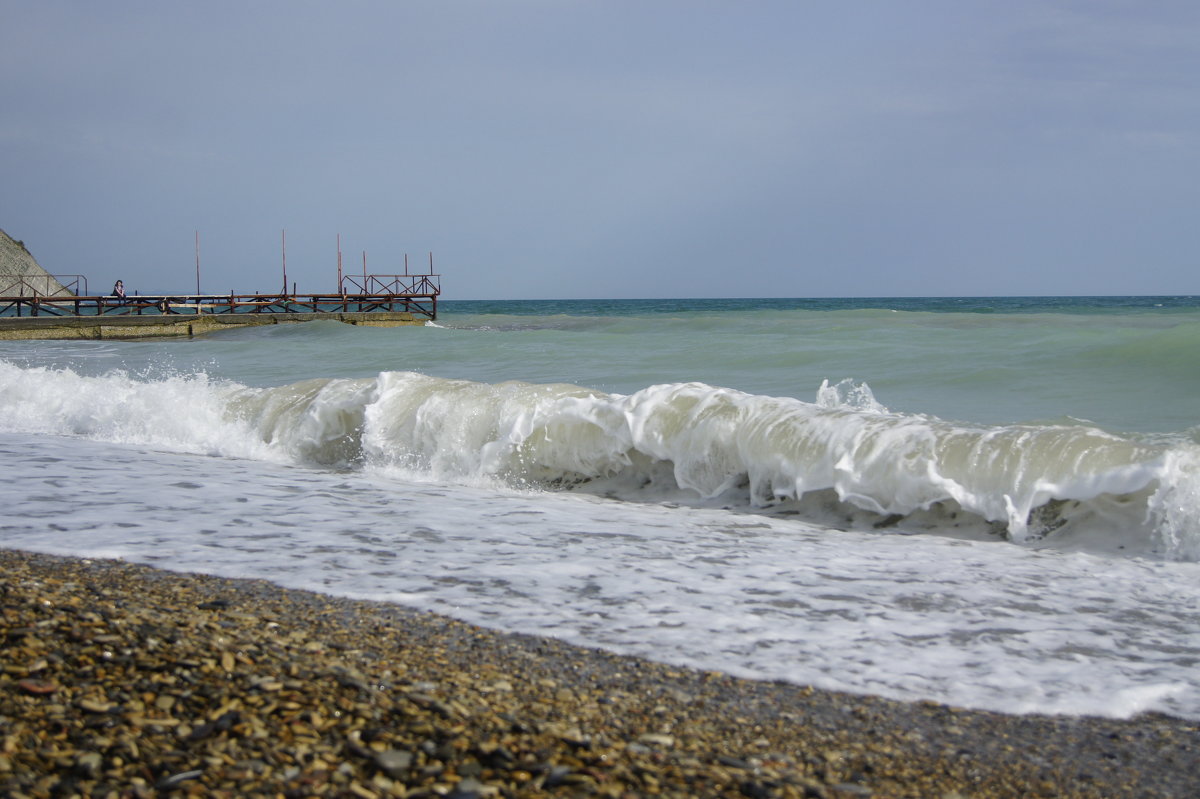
37, 305
132, 327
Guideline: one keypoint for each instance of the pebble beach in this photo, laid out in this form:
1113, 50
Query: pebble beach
120, 680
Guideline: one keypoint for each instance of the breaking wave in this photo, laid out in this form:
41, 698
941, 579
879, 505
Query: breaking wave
843, 460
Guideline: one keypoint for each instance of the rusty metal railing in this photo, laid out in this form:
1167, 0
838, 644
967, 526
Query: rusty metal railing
40, 286
418, 303
395, 284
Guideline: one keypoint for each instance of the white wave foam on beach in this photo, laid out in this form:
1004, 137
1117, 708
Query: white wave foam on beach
843, 461
911, 617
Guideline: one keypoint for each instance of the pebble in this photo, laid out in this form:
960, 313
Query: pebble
121, 681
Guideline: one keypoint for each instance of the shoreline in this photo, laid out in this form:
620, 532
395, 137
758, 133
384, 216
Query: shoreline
124, 680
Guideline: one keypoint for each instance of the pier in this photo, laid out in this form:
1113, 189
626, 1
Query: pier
36, 305
103, 317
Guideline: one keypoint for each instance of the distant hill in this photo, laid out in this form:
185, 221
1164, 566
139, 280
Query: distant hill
20, 274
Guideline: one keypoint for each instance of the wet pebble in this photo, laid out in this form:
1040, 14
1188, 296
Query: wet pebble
165, 684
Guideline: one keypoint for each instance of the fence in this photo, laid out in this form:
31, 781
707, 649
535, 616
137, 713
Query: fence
395, 284
43, 286
417, 302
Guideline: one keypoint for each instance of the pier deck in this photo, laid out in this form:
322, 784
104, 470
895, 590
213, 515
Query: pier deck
76, 317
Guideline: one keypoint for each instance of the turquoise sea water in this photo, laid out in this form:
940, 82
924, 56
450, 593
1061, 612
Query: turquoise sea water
988, 501
1125, 362
642, 307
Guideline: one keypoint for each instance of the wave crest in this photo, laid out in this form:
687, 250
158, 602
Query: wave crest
844, 460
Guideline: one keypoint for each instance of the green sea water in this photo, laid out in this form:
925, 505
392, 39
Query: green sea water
1124, 363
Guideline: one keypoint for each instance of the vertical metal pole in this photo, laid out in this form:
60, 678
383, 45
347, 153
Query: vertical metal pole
283, 240
197, 261
431, 263
365, 273
406, 263
340, 264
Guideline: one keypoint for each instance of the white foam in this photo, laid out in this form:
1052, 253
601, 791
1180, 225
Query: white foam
1175, 507
187, 413
696, 443
970, 623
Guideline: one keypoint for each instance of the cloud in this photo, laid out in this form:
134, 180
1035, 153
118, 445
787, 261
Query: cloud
566, 149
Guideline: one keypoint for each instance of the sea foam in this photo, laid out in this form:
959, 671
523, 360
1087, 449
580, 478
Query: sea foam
844, 460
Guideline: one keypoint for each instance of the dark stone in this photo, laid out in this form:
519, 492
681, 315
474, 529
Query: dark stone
733, 762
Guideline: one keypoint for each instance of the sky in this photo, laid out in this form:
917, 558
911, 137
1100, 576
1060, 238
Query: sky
608, 149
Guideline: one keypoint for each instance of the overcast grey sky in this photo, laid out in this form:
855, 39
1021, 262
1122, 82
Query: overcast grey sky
615, 148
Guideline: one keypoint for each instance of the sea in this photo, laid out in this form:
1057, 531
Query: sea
992, 503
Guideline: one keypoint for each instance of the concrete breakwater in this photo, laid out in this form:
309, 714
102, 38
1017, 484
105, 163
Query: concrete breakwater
127, 327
